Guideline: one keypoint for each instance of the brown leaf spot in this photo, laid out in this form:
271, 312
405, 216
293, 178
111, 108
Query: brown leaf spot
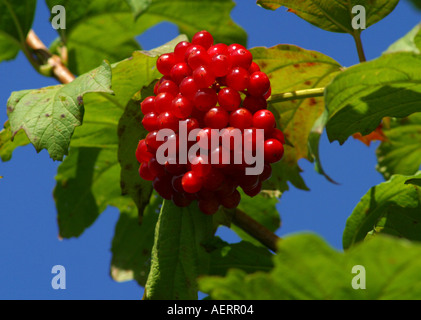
80, 100
312, 102
262, 64
308, 83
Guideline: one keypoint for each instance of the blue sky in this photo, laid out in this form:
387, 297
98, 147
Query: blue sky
29, 246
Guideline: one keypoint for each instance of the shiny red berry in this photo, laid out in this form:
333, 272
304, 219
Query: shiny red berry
273, 150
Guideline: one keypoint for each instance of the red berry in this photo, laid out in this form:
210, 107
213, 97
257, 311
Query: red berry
203, 76
168, 120
241, 57
228, 188
234, 46
205, 138
163, 186
213, 180
219, 48
264, 119
142, 153
241, 119
254, 104
157, 169
266, 174
165, 62
254, 67
278, 135
238, 79
188, 87
181, 200
163, 102
205, 99
229, 99
220, 65
217, 118
273, 150
203, 38
248, 181
254, 191
151, 141
191, 182
176, 183
150, 121
198, 57
192, 124
148, 105
180, 50
181, 107
259, 84
190, 49
228, 136
268, 93
145, 173
179, 71
168, 86
175, 168
220, 157
209, 206
200, 165
231, 201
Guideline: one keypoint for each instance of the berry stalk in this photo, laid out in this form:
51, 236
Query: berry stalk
299, 94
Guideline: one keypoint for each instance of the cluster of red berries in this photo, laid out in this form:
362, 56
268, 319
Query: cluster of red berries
209, 86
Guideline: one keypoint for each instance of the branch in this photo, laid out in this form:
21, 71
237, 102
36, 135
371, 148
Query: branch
256, 230
44, 57
299, 94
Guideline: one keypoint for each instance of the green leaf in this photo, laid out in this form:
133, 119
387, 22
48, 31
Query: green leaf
360, 97
335, 16
130, 132
132, 243
49, 115
106, 29
392, 207
138, 6
299, 119
88, 181
15, 22
8, 143
401, 152
243, 255
178, 256
411, 42
307, 268
415, 181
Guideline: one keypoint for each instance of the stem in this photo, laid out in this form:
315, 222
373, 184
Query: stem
299, 94
359, 44
59, 70
256, 230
